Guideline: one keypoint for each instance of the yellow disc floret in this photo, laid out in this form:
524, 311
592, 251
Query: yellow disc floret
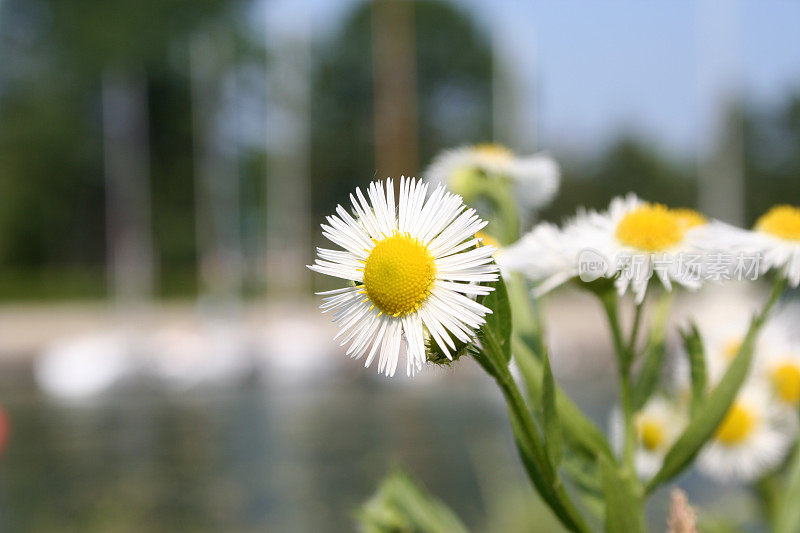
487, 240
731, 348
398, 274
689, 218
650, 227
651, 433
494, 152
786, 382
782, 221
737, 425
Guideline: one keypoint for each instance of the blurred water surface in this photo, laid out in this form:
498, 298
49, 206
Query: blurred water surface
268, 454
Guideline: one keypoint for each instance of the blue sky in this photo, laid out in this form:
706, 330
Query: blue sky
588, 70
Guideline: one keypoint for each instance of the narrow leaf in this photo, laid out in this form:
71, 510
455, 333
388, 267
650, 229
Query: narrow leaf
695, 350
654, 353
400, 504
706, 420
648, 375
787, 519
552, 427
624, 506
499, 321
577, 429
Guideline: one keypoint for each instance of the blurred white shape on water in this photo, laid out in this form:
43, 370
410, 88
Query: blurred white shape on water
297, 348
186, 357
84, 367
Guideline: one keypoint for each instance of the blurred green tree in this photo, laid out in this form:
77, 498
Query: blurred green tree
52, 192
454, 89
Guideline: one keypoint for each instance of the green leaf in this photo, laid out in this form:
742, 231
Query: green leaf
654, 354
577, 429
436, 355
648, 375
706, 420
551, 425
584, 476
400, 504
787, 510
624, 506
499, 321
695, 350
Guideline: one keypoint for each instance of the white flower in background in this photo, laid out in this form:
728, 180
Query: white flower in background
535, 178
777, 363
775, 240
722, 315
413, 265
658, 425
776, 235
641, 239
546, 255
751, 439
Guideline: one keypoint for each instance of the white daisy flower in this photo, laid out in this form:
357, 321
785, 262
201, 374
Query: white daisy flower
658, 425
631, 241
750, 440
641, 239
414, 267
722, 315
547, 255
776, 236
535, 178
778, 361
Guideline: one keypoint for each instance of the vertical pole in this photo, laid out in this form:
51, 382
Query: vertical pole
287, 147
394, 69
217, 191
127, 172
721, 185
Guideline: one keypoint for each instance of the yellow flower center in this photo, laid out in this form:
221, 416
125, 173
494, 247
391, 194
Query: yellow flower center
782, 221
651, 433
650, 227
689, 218
736, 426
398, 274
493, 151
731, 349
487, 240
786, 382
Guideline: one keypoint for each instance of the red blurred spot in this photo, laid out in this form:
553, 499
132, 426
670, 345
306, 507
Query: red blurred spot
4, 429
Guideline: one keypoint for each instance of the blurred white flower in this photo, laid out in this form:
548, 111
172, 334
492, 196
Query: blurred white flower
658, 425
413, 266
722, 315
752, 438
535, 178
777, 363
776, 235
546, 255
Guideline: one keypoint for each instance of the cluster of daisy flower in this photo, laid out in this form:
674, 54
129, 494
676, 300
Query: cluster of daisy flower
634, 241
757, 432
424, 272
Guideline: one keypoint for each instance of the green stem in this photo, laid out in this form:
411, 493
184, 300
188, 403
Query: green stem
785, 511
774, 296
507, 214
579, 430
637, 322
544, 477
624, 359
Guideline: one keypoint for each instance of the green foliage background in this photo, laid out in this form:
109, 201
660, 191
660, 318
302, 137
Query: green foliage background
53, 54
